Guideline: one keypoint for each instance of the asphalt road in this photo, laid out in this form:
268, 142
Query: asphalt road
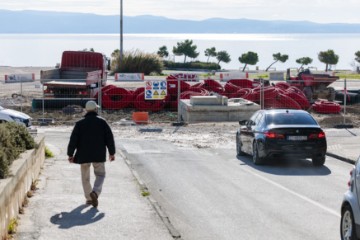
204, 189
212, 194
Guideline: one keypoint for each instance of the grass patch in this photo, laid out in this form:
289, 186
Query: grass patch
145, 193
12, 226
48, 153
348, 75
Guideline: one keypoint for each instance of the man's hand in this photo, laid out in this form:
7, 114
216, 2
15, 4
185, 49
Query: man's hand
71, 159
112, 158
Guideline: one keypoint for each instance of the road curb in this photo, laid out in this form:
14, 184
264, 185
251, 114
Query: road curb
164, 218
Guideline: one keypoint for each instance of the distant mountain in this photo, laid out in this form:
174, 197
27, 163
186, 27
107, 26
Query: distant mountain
62, 22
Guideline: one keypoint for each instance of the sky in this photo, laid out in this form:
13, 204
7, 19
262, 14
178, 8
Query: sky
321, 11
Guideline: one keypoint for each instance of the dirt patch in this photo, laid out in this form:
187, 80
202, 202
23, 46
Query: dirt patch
69, 116
351, 117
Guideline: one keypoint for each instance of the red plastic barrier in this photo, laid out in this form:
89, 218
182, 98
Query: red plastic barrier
200, 84
138, 91
326, 107
172, 86
104, 89
241, 93
243, 83
116, 98
203, 91
297, 90
188, 94
281, 101
148, 105
298, 96
282, 85
269, 93
213, 86
231, 88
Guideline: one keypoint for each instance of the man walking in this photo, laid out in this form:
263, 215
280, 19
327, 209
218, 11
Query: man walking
89, 140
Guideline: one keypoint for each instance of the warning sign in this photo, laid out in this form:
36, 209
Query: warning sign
155, 89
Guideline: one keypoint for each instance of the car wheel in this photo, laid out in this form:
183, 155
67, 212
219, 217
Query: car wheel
256, 159
347, 224
239, 152
318, 161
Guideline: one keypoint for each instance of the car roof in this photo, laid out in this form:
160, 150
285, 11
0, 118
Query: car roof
272, 111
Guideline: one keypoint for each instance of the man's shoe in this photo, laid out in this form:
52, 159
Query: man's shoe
94, 198
89, 202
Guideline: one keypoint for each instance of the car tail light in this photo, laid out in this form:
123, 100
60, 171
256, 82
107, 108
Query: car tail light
319, 135
350, 182
273, 135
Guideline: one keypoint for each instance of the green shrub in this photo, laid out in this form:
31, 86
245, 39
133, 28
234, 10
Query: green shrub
48, 153
137, 62
191, 65
14, 139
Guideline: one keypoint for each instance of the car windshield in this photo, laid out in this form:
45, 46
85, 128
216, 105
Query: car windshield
290, 118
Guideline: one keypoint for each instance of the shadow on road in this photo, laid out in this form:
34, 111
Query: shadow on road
287, 166
77, 217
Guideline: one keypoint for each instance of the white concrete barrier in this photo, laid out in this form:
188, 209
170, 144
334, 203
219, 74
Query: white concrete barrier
129, 77
226, 76
13, 78
189, 77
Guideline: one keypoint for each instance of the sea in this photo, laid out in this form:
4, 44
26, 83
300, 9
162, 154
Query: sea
37, 50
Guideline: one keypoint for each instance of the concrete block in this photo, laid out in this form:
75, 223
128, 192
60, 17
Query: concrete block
208, 100
237, 109
276, 76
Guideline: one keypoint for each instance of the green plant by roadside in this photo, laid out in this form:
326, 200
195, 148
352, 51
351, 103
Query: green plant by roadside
191, 65
348, 75
145, 193
136, 62
14, 139
12, 226
48, 153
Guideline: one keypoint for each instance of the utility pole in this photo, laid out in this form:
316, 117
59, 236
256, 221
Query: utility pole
121, 33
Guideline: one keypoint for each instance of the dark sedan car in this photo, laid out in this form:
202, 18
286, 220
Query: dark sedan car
281, 133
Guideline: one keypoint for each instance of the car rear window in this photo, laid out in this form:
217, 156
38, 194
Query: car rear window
290, 118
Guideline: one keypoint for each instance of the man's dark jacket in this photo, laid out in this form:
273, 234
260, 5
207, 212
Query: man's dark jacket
90, 137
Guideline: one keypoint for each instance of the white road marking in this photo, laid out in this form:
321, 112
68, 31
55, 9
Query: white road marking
317, 204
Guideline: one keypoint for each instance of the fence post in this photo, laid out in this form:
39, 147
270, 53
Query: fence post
21, 94
178, 123
261, 93
178, 99
100, 96
43, 101
345, 97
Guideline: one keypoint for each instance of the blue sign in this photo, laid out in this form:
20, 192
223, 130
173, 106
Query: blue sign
155, 85
148, 94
